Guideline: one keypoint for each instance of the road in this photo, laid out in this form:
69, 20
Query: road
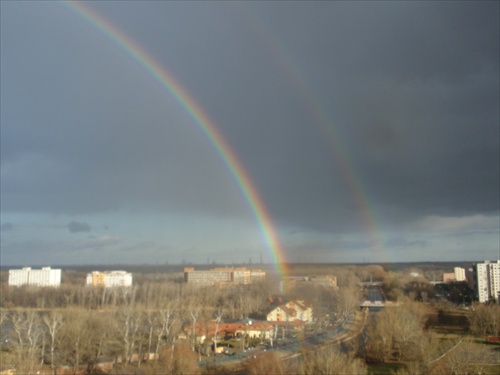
344, 333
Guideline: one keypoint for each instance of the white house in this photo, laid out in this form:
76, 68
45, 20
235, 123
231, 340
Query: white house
291, 311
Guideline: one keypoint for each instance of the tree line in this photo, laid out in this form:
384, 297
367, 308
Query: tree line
138, 329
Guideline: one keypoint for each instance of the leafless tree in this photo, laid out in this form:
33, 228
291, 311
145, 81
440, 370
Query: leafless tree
179, 360
485, 320
53, 320
75, 335
27, 335
330, 360
128, 321
466, 359
347, 300
397, 329
271, 363
218, 318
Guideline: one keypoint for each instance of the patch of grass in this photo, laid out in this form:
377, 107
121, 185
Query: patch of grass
384, 368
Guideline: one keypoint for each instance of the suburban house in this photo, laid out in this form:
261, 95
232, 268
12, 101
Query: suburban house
291, 311
250, 329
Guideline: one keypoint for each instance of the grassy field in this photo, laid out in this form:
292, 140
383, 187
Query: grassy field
384, 368
447, 322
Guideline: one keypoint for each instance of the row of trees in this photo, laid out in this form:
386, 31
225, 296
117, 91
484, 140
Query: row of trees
401, 334
81, 326
239, 301
76, 337
323, 361
397, 333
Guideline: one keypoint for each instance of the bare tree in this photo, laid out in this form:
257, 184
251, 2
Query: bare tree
271, 363
128, 321
347, 300
179, 360
485, 320
396, 329
466, 359
74, 335
167, 321
330, 360
218, 318
53, 321
194, 312
27, 335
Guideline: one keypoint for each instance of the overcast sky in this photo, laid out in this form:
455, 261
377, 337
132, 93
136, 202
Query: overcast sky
370, 130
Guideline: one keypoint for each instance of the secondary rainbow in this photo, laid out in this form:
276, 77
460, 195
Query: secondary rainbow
202, 120
350, 176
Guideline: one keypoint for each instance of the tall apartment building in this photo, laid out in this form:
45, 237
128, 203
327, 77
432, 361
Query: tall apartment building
222, 276
109, 279
42, 277
486, 279
459, 274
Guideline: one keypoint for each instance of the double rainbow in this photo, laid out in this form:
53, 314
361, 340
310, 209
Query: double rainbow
161, 75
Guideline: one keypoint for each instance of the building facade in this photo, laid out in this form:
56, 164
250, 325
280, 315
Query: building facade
449, 277
290, 282
486, 279
291, 311
459, 274
42, 277
222, 276
109, 279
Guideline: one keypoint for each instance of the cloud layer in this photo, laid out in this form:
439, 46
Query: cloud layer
354, 120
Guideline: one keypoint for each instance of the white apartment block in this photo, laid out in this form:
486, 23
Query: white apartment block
42, 277
459, 274
109, 279
488, 281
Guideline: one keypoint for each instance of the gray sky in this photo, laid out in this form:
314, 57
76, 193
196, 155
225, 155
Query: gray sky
370, 130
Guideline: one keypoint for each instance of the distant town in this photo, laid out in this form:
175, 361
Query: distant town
250, 319
483, 279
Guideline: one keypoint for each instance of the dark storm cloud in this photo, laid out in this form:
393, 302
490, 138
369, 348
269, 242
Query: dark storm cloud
400, 243
101, 133
7, 227
76, 227
411, 90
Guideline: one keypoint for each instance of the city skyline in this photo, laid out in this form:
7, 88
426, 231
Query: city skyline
143, 133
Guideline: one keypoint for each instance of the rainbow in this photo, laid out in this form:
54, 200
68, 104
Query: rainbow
160, 74
353, 181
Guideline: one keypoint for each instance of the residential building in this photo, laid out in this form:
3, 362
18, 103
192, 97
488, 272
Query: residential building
242, 275
257, 275
485, 277
291, 311
459, 274
109, 279
218, 331
42, 277
328, 281
207, 277
223, 276
448, 277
